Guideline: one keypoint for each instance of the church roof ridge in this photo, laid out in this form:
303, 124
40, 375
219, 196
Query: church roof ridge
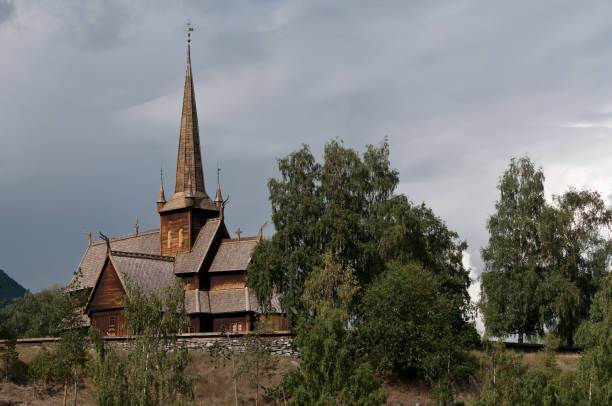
236, 240
142, 256
127, 236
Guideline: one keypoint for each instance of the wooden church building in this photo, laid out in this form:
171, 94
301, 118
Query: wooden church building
192, 244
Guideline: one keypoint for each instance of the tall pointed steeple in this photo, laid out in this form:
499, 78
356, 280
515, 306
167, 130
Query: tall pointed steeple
189, 170
189, 208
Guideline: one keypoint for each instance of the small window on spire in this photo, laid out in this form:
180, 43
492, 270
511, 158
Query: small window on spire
169, 242
181, 237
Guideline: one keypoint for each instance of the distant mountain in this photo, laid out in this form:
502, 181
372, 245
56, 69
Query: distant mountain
9, 289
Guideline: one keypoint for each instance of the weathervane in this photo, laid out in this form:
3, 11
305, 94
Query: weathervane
189, 30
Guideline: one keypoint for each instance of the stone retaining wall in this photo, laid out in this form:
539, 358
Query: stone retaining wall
279, 345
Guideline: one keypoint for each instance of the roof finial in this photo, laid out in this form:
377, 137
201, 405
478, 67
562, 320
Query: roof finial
238, 232
136, 226
162, 195
107, 241
89, 235
218, 196
189, 27
260, 233
161, 200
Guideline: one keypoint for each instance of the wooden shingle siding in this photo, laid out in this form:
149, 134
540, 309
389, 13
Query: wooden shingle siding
231, 281
109, 291
170, 226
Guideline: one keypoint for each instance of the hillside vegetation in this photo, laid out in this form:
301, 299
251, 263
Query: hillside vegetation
214, 383
9, 288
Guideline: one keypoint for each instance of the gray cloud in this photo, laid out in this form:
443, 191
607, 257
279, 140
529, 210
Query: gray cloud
91, 102
7, 9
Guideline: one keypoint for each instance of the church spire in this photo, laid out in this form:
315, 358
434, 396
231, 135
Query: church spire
161, 200
189, 172
218, 196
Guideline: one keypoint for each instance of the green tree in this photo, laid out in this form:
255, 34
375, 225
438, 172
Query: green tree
330, 372
34, 314
256, 361
513, 258
72, 348
544, 262
408, 324
577, 251
154, 371
9, 358
595, 335
346, 206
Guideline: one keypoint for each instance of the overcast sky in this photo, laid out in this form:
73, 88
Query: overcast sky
90, 98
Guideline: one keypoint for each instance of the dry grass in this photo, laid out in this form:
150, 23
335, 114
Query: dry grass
565, 362
215, 386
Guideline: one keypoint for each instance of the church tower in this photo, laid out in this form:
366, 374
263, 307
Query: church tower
184, 214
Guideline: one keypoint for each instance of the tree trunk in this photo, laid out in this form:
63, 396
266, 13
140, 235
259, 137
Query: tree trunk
520, 338
229, 341
65, 390
75, 386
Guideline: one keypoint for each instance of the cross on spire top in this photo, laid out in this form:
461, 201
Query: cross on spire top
189, 28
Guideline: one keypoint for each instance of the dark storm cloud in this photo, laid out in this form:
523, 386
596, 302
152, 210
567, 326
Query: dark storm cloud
7, 9
91, 98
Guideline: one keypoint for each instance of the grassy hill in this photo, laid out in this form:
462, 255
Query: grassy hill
215, 386
9, 289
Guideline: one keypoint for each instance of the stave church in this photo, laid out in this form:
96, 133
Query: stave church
192, 244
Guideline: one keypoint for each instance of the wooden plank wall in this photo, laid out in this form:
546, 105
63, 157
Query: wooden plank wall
109, 291
274, 322
102, 322
227, 281
173, 223
241, 321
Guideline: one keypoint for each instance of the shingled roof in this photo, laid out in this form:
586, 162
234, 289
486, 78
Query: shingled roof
233, 255
192, 261
153, 275
146, 242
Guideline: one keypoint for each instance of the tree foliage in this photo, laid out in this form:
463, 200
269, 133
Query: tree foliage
544, 261
256, 361
34, 314
154, 371
408, 302
330, 373
595, 335
346, 206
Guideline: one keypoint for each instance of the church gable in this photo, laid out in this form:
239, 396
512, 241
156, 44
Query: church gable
108, 291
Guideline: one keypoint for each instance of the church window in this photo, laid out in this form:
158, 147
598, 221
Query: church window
111, 331
181, 237
239, 327
169, 245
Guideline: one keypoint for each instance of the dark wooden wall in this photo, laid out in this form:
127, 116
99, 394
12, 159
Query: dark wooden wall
194, 323
242, 321
190, 282
102, 321
274, 322
108, 292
